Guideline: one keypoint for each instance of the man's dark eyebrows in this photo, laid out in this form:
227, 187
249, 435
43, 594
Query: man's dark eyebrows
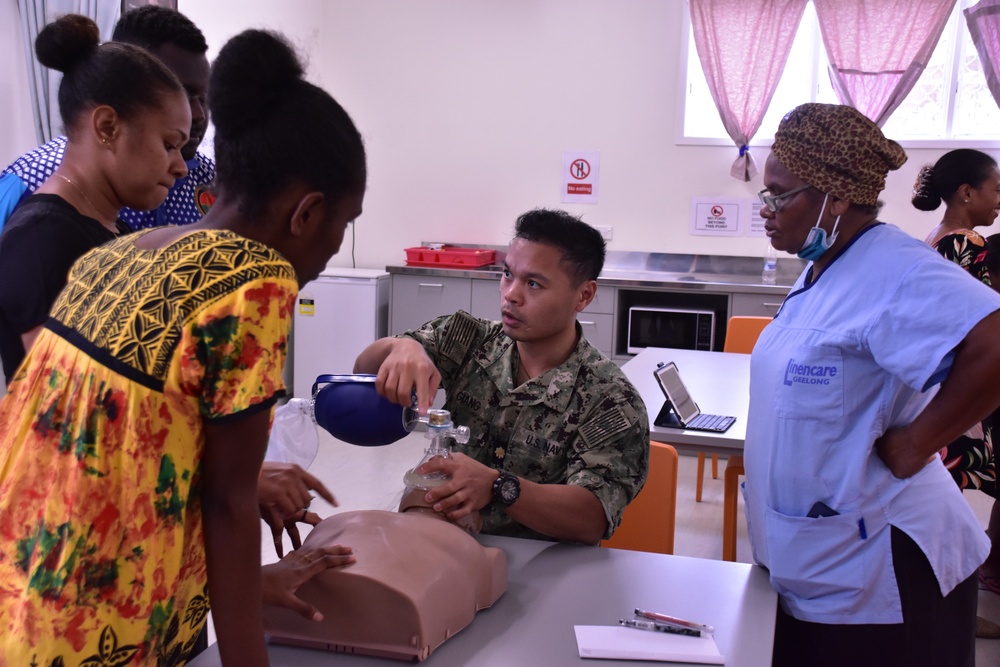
537, 277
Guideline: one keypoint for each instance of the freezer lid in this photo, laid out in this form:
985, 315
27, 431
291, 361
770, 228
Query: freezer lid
347, 272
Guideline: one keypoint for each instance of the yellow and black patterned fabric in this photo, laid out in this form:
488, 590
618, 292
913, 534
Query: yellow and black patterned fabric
102, 557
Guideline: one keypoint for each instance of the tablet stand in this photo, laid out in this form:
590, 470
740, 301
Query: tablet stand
667, 417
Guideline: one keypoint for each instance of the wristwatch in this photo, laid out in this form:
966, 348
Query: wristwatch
506, 489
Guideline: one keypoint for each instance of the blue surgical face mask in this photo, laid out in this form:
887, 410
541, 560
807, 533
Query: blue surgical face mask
817, 243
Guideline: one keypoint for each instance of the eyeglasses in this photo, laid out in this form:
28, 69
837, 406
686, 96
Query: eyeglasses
771, 201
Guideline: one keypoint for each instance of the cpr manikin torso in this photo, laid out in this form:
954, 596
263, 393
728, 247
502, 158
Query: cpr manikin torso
418, 580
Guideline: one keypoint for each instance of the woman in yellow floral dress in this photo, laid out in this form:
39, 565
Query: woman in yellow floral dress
132, 436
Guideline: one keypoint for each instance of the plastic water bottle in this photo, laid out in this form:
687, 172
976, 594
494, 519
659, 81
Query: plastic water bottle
769, 274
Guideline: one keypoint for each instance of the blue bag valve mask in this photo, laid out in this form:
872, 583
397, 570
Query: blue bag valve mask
350, 409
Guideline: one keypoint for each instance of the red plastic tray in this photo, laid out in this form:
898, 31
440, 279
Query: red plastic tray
449, 257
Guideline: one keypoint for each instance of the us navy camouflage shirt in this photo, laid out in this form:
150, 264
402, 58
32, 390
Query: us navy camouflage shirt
580, 423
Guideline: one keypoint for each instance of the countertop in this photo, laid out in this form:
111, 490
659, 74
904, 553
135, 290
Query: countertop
655, 270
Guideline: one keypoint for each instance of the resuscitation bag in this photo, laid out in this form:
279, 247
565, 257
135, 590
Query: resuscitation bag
347, 406
350, 409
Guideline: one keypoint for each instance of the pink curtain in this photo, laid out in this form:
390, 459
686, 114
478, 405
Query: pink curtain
743, 46
984, 26
879, 48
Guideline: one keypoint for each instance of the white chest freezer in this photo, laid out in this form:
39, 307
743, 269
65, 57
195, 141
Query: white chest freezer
337, 316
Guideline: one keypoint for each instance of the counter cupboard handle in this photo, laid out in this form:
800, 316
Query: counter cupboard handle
772, 305
585, 323
438, 285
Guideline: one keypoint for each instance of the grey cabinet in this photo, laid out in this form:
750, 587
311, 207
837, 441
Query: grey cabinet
598, 320
417, 299
753, 304
485, 299
598, 328
604, 301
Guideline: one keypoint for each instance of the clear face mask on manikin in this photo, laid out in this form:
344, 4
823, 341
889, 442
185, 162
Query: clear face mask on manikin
817, 242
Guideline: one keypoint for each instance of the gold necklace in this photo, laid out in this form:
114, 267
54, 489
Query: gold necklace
85, 197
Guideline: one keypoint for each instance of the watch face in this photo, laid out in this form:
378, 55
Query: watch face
507, 489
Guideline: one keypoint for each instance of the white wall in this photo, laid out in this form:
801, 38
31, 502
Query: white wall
17, 133
467, 105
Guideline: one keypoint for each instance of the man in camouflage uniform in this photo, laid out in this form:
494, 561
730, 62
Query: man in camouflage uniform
560, 437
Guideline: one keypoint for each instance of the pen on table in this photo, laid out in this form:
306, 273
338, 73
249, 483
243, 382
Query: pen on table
658, 627
672, 620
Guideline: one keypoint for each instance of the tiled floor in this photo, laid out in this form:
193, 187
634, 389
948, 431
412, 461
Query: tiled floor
372, 478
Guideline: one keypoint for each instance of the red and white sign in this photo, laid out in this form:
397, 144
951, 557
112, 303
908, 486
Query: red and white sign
580, 176
717, 216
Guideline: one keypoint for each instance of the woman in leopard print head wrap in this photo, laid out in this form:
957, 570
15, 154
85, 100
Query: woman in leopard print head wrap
882, 353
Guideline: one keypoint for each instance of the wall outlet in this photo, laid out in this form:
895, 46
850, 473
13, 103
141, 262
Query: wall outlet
606, 232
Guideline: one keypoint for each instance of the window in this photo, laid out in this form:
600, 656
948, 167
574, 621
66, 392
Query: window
949, 105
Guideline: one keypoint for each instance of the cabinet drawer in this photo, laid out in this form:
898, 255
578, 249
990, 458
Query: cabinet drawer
486, 299
597, 327
604, 301
418, 299
756, 305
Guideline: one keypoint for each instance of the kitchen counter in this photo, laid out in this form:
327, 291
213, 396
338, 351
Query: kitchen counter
652, 270
725, 286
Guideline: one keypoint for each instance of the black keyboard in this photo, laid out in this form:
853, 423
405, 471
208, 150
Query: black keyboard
706, 422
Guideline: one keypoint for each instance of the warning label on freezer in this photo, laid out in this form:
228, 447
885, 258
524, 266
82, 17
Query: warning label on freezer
307, 307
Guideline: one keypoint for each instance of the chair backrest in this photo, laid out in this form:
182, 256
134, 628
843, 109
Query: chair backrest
648, 521
742, 333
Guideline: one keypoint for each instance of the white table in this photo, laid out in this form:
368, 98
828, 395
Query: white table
553, 587
719, 382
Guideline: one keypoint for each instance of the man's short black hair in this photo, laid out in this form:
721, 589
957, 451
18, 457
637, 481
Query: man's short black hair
581, 245
152, 26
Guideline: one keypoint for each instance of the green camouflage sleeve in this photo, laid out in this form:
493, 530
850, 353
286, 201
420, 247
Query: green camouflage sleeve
448, 340
612, 456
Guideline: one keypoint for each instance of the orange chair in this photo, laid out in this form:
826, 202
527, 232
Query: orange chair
648, 521
741, 335
731, 488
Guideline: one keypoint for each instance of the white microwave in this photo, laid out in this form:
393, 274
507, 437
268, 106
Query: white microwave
670, 327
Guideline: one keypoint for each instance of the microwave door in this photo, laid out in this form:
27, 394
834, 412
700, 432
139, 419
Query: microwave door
670, 328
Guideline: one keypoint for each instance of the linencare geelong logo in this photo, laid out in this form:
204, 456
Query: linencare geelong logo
808, 373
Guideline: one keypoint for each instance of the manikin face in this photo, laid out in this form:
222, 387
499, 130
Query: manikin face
538, 301
147, 154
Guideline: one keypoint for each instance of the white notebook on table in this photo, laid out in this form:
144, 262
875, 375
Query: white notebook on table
620, 643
